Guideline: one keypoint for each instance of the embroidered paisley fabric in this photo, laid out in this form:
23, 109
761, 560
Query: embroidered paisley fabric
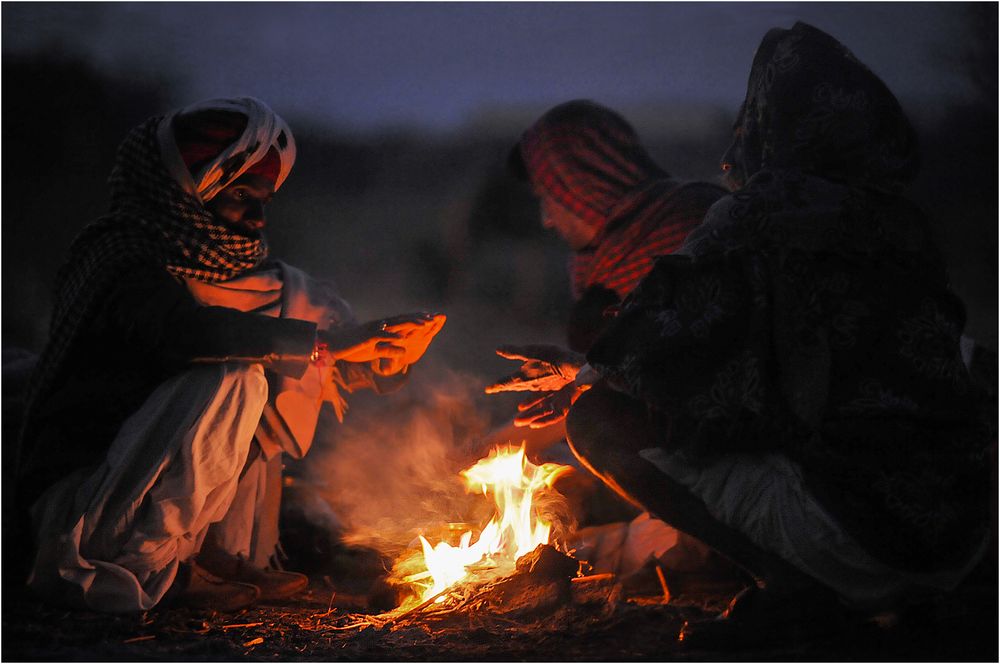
810, 314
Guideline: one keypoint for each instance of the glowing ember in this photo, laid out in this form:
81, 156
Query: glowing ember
517, 529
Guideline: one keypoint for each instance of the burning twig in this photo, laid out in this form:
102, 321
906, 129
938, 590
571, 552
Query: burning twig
254, 642
419, 607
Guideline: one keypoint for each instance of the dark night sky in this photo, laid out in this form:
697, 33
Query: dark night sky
367, 65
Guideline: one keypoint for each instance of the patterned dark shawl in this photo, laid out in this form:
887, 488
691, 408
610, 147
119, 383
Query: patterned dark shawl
813, 107
810, 314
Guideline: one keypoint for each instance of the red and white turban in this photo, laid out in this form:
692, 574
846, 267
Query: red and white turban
209, 144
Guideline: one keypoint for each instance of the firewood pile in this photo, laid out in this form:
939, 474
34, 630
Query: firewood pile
545, 581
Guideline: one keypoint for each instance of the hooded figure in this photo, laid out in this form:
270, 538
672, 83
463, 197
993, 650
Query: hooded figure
175, 374
805, 346
789, 387
609, 201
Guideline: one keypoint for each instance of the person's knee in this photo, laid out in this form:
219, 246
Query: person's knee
246, 382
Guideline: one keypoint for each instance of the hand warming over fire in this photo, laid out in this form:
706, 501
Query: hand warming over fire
539, 412
416, 331
389, 344
359, 343
545, 368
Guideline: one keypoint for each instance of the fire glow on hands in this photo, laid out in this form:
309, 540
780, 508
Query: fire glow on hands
538, 412
544, 368
553, 370
398, 341
415, 333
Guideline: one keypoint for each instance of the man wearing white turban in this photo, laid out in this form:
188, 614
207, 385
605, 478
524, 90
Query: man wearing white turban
181, 363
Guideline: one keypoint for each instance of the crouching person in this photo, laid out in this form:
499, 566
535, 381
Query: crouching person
181, 364
789, 388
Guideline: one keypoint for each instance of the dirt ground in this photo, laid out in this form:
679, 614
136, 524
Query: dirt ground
600, 623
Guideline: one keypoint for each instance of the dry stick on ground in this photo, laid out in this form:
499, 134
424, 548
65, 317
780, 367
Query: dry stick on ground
418, 608
663, 584
136, 639
363, 623
592, 578
254, 624
329, 608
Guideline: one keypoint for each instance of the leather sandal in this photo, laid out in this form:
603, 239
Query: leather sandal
196, 588
273, 584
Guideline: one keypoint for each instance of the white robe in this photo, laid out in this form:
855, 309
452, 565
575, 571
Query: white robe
111, 538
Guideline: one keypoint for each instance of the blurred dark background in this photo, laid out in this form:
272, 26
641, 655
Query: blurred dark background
404, 114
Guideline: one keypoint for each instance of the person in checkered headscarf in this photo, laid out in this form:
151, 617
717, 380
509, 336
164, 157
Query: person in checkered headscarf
613, 206
181, 363
609, 201
617, 210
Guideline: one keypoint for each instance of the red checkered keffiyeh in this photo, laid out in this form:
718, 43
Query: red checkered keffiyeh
590, 161
649, 222
157, 218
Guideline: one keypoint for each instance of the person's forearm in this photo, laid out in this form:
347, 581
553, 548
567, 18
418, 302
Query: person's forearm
154, 312
283, 345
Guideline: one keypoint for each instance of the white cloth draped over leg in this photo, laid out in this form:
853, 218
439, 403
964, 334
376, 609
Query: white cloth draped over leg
250, 528
765, 498
111, 538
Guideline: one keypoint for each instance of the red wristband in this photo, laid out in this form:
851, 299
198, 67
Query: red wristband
320, 353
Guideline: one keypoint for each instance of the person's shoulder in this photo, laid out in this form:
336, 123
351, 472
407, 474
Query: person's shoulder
698, 191
775, 192
732, 218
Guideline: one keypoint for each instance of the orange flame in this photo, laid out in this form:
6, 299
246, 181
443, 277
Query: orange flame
515, 530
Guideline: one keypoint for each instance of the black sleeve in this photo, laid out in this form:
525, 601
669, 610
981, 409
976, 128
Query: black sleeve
690, 343
153, 311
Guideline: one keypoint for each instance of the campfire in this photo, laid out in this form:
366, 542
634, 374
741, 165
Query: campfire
520, 491
466, 543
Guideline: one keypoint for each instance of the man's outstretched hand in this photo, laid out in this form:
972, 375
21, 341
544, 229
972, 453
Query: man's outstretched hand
544, 368
538, 412
361, 343
416, 332
397, 342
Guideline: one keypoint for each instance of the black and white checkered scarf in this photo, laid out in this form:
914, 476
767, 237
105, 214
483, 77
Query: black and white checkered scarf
153, 220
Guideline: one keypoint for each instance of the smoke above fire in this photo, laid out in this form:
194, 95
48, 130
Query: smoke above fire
391, 471
392, 474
